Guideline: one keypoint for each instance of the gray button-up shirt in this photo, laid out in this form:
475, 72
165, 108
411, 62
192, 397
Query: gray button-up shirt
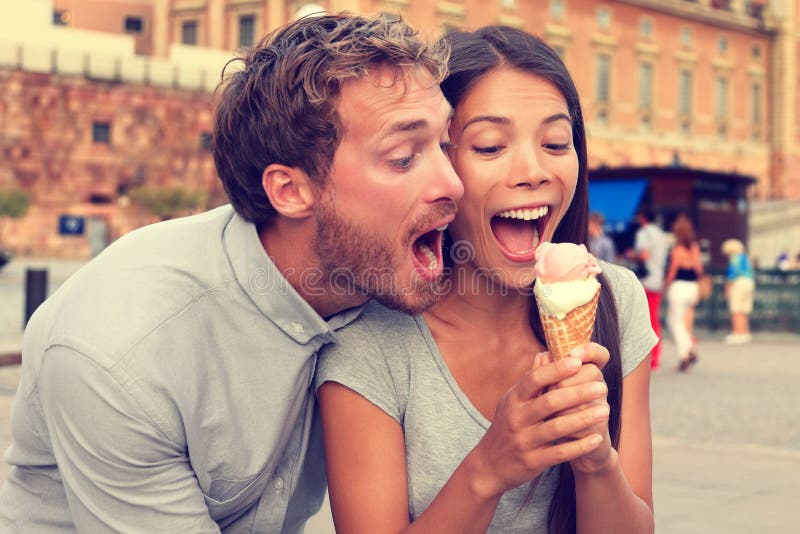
168, 387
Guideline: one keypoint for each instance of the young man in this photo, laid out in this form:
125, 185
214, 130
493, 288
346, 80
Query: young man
168, 385
651, 248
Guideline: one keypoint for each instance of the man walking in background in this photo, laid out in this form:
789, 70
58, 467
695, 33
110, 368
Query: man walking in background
650, 250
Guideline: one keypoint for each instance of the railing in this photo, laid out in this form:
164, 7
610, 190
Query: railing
136, 69
776, 307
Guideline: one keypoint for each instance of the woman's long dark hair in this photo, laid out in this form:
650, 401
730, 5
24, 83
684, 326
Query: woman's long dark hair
473, 55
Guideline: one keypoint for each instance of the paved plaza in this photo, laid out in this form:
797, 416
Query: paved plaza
726, 435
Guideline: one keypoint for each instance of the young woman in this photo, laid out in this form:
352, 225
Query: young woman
458, 420
685, 269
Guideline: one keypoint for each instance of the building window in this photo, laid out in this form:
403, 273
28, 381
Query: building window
686, 37
755, 106
685, 92
722, 99
645, 86
603, 18
133, 24
557, 9
189, 32
101, 132
448, 27
61, 17
206, 141
646, 28
390, 17
722, 44
603, 78
756, 52
247, 30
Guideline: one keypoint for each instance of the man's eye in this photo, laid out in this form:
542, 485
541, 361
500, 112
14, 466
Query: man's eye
403, 164
487, 150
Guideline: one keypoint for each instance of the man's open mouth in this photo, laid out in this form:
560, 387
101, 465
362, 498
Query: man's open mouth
518, 231
427, 253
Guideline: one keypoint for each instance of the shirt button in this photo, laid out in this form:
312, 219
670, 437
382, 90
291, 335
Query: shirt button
277, 483
297, 327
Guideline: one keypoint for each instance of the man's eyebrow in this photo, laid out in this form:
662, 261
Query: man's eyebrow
407, 126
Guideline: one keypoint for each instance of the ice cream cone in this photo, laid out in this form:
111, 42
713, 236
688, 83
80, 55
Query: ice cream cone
562, 335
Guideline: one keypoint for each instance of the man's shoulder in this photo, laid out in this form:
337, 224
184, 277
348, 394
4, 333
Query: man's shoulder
135, 285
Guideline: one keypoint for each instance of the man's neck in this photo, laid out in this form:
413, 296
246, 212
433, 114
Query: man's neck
288, 244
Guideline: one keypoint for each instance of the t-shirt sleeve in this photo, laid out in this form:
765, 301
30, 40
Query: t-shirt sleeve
358, 361
637, 337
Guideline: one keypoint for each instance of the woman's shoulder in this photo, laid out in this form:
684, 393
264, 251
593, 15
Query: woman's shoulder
377, 323
617, 275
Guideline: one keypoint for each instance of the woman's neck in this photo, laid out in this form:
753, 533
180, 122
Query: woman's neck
478, 304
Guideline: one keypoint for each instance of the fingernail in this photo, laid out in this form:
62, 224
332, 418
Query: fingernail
596, 439
597, 388
601, 412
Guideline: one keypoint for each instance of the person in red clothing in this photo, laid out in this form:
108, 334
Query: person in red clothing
650, 251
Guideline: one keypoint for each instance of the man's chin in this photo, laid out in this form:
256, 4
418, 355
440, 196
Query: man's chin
413, 301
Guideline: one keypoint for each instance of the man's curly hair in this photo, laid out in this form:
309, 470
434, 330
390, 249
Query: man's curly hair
280, 105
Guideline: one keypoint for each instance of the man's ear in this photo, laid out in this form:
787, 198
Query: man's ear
289, 190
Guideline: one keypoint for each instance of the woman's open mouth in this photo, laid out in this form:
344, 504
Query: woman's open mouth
427, 253
518, 231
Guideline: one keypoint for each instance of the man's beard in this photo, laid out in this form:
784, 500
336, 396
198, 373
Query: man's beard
360, 262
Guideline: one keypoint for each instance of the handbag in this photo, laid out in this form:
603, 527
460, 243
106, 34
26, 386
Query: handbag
640, 269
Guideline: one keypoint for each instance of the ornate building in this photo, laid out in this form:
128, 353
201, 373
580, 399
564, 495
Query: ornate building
703, 84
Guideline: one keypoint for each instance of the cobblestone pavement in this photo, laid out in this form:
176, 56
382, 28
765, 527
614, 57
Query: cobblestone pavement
726, 436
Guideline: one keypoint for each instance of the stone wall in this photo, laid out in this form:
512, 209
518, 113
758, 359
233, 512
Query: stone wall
49, 147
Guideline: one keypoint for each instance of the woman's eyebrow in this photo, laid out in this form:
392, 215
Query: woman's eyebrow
487, 118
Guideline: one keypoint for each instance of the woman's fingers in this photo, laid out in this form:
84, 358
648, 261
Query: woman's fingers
564, 451
592, 353
559, 400
535, 381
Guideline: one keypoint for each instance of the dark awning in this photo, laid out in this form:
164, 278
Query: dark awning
617, 200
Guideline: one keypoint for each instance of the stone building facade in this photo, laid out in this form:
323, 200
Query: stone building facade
706, 84
79, 145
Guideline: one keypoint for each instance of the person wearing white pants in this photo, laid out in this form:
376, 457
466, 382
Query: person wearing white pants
682, 296
683, 292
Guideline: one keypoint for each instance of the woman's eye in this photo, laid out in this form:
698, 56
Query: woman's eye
445, 145
403, 164
556, 147
487, 150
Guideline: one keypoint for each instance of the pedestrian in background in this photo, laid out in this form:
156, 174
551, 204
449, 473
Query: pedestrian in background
739, 290
685, 269
650, 251
600, 245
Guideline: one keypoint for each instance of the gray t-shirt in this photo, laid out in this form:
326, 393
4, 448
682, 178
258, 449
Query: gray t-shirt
392, 360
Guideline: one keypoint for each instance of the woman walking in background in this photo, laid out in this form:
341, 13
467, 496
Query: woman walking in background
739, 291
685, 268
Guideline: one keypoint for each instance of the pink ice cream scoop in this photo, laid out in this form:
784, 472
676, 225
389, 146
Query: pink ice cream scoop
564, 262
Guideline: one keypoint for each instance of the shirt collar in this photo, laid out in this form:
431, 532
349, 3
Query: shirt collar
271, 292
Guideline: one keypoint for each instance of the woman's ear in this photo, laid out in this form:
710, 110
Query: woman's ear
289, 190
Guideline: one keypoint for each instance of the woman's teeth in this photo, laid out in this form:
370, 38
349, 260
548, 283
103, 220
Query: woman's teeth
442, 228
524, 214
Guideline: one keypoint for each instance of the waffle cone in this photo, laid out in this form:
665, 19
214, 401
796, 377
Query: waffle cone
562, 335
